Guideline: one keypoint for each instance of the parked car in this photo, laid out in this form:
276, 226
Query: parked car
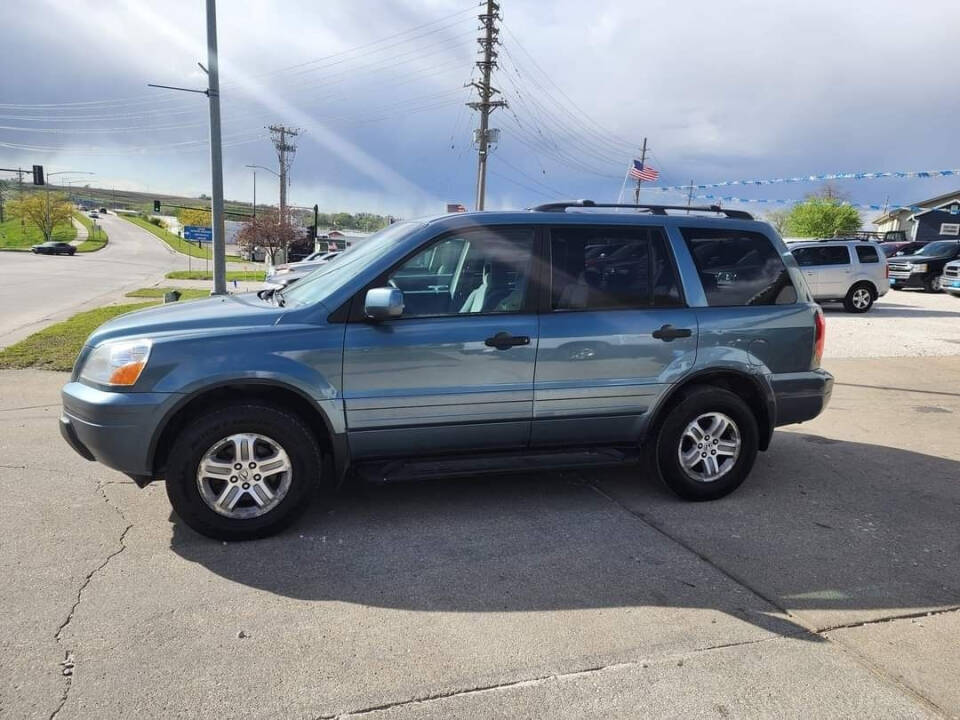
909, 248
283, 280
54, 247
923, 269
853, 272
466, 343
892, 248
951, 278
312, 261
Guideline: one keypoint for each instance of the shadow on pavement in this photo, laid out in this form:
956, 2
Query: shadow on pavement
828, 528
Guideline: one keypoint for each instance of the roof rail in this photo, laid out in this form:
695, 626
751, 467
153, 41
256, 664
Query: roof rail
654, 209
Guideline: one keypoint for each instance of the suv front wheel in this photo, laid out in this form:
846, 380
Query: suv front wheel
242, 472
707, 444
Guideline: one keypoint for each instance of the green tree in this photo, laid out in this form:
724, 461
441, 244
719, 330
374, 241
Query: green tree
822, 215
42, 210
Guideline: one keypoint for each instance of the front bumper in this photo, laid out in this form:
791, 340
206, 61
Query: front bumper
114, 428
905, 279
801, 396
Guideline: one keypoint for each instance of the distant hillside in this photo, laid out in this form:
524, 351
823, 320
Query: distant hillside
235, 209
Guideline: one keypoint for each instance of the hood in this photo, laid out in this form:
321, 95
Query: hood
217, 313
916, 258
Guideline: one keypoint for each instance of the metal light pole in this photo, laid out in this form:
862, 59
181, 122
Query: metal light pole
216, 155
255, 168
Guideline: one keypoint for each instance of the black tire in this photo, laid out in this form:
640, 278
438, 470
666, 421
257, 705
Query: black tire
199, 435
933, 283
697, 401
853, 302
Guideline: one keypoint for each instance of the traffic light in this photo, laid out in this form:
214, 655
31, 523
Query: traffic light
156, 206
38, 175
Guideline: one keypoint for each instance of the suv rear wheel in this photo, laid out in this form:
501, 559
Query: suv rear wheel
707, 444
242, 472
859, 298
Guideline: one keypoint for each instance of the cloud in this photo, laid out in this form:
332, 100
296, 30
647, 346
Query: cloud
742, 89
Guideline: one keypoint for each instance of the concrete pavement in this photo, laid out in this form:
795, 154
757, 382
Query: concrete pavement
39, 289
827, 586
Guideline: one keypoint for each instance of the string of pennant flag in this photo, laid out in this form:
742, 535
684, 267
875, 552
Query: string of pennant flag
808, 178
953, 210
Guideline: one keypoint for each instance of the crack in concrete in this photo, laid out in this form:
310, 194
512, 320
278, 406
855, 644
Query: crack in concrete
821, 633
889, 619
540, 679
67, 663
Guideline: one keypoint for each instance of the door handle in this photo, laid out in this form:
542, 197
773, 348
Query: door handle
669, 332
505, 341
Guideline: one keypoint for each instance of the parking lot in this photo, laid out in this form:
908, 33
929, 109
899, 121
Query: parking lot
828, 585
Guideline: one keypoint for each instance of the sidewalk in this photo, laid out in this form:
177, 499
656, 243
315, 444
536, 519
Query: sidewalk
82, 233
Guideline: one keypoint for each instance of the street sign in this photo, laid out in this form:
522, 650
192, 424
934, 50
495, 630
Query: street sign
196, 232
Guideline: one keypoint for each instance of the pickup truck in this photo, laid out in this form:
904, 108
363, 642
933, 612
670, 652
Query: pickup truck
925, 268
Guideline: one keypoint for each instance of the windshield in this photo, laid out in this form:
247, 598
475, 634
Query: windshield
937, 248
329, 276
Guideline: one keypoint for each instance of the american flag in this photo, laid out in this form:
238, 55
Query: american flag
456, 208
640, 172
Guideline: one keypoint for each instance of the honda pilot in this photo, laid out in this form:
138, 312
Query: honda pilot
562, 336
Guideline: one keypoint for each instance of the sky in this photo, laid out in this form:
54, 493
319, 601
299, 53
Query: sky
723, 91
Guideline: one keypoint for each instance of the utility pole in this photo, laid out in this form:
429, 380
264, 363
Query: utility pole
643, 162
484, 135
286, 149
689, 196
216, 156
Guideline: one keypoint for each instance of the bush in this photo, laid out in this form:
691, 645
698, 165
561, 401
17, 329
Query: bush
157, 221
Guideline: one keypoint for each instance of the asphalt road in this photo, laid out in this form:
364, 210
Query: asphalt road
39, 288
827, 586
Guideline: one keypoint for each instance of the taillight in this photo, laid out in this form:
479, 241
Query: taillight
820, 330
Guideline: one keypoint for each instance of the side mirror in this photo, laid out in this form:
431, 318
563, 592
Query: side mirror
383, 303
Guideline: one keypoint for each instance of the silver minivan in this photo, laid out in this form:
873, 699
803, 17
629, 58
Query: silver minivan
853, 272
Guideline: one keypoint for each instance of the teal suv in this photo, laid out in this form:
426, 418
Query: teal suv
569, 335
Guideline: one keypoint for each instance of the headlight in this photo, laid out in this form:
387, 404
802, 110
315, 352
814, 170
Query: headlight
920, 267
117, 363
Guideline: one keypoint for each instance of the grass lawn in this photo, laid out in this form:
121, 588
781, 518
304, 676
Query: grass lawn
158, 292
56, 347
13, 236
178, 244
91, 244
251, 276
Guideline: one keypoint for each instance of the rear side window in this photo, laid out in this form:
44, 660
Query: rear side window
867, 254
739, 268
834, 255
596, 268
816, 255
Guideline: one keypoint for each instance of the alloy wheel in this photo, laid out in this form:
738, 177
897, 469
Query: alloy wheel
244, 476
861, 298
709, 447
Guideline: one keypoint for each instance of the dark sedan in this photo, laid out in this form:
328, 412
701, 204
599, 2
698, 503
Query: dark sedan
54, 248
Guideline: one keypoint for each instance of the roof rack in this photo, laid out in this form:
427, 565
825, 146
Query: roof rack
654, 209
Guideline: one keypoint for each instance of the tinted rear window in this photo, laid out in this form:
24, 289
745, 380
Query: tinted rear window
867, 254
612, 267
739, 268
